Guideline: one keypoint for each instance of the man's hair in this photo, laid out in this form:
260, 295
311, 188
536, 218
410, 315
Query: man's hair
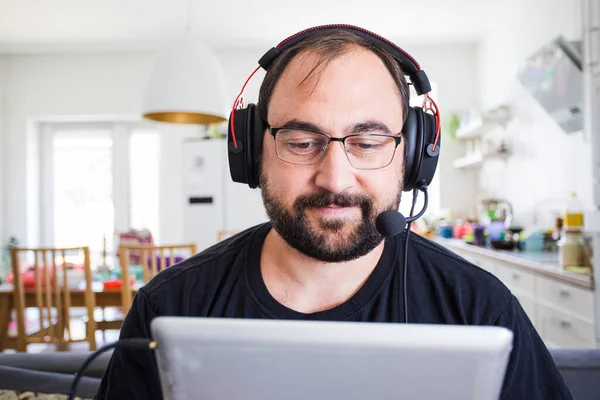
329, 45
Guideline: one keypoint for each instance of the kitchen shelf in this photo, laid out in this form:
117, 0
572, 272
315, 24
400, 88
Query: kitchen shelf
471, 131
475, 160
477, 129
493, 119
470, 161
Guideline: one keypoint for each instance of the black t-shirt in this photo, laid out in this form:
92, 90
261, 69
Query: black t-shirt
443, 288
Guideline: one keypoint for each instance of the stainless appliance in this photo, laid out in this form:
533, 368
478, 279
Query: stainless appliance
554, 77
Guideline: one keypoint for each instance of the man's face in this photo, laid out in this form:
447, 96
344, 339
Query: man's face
327, 211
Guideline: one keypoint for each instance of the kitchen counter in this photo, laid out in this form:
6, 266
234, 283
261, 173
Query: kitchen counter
544, 263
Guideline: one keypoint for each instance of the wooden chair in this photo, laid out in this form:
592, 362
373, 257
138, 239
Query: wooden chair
50, 292
221, 235
152, 260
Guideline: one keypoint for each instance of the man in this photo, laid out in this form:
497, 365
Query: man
321, 257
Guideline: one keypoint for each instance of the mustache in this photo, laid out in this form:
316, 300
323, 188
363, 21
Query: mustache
325, 199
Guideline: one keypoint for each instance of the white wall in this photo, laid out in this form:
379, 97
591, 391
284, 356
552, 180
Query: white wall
52, 86
66, 85
3, 110
548, 164
455, 70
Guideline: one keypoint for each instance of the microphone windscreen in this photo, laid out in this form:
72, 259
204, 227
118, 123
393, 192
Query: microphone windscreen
390, 223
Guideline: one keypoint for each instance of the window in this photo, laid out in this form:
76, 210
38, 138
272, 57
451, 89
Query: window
82, 188
98, 179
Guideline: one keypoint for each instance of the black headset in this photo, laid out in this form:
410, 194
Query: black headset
421, 130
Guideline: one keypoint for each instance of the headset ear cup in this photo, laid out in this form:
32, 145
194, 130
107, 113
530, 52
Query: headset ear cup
413, 146
236, 150
429, 157
244, 159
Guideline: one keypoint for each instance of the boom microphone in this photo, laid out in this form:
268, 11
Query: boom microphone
391, 223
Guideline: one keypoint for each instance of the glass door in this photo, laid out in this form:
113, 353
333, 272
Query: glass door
83, 181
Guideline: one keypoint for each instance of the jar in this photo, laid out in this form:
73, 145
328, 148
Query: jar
571, 249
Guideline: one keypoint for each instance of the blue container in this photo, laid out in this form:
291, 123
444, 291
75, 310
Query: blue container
445, 231
535, 242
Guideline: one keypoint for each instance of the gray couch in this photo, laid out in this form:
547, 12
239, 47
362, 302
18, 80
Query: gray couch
53, 372
581, 372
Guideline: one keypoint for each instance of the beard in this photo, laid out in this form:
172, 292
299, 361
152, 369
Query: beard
353, 239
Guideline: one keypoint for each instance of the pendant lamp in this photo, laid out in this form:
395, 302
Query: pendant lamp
187, 86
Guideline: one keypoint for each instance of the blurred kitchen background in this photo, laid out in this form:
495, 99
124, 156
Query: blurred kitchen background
517, 82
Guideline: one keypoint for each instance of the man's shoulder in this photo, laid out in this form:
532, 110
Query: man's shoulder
483, 295
208, 266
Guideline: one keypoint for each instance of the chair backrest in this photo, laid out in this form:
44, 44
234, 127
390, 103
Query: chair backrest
153, 259
222, 235
41, 280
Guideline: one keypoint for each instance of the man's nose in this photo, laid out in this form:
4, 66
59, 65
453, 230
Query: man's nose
334, 172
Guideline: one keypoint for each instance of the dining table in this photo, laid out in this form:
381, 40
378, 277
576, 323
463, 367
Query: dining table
103, 298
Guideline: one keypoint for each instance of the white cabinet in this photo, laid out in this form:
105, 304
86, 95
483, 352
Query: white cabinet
560, 329
213, 201
565, 314
517, 280
566, 298
562, 313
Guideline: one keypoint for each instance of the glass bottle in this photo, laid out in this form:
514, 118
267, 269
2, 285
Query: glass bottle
573, 216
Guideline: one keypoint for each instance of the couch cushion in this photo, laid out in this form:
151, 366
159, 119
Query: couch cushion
580, 369
18, 379
65, 363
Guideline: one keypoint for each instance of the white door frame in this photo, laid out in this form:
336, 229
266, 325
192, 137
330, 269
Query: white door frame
120, 154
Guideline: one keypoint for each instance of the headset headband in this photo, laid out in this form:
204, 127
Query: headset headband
409, 65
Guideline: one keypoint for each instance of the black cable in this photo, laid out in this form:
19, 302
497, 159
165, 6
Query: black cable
135, 343
423, 209
404, 267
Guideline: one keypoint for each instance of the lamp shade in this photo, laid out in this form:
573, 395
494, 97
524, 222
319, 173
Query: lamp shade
187, 86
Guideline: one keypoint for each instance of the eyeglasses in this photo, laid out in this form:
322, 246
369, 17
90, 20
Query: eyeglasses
364, 151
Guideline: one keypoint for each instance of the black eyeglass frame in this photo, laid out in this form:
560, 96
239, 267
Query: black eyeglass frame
397, 138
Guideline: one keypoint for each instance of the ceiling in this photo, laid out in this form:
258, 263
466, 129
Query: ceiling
93, 25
